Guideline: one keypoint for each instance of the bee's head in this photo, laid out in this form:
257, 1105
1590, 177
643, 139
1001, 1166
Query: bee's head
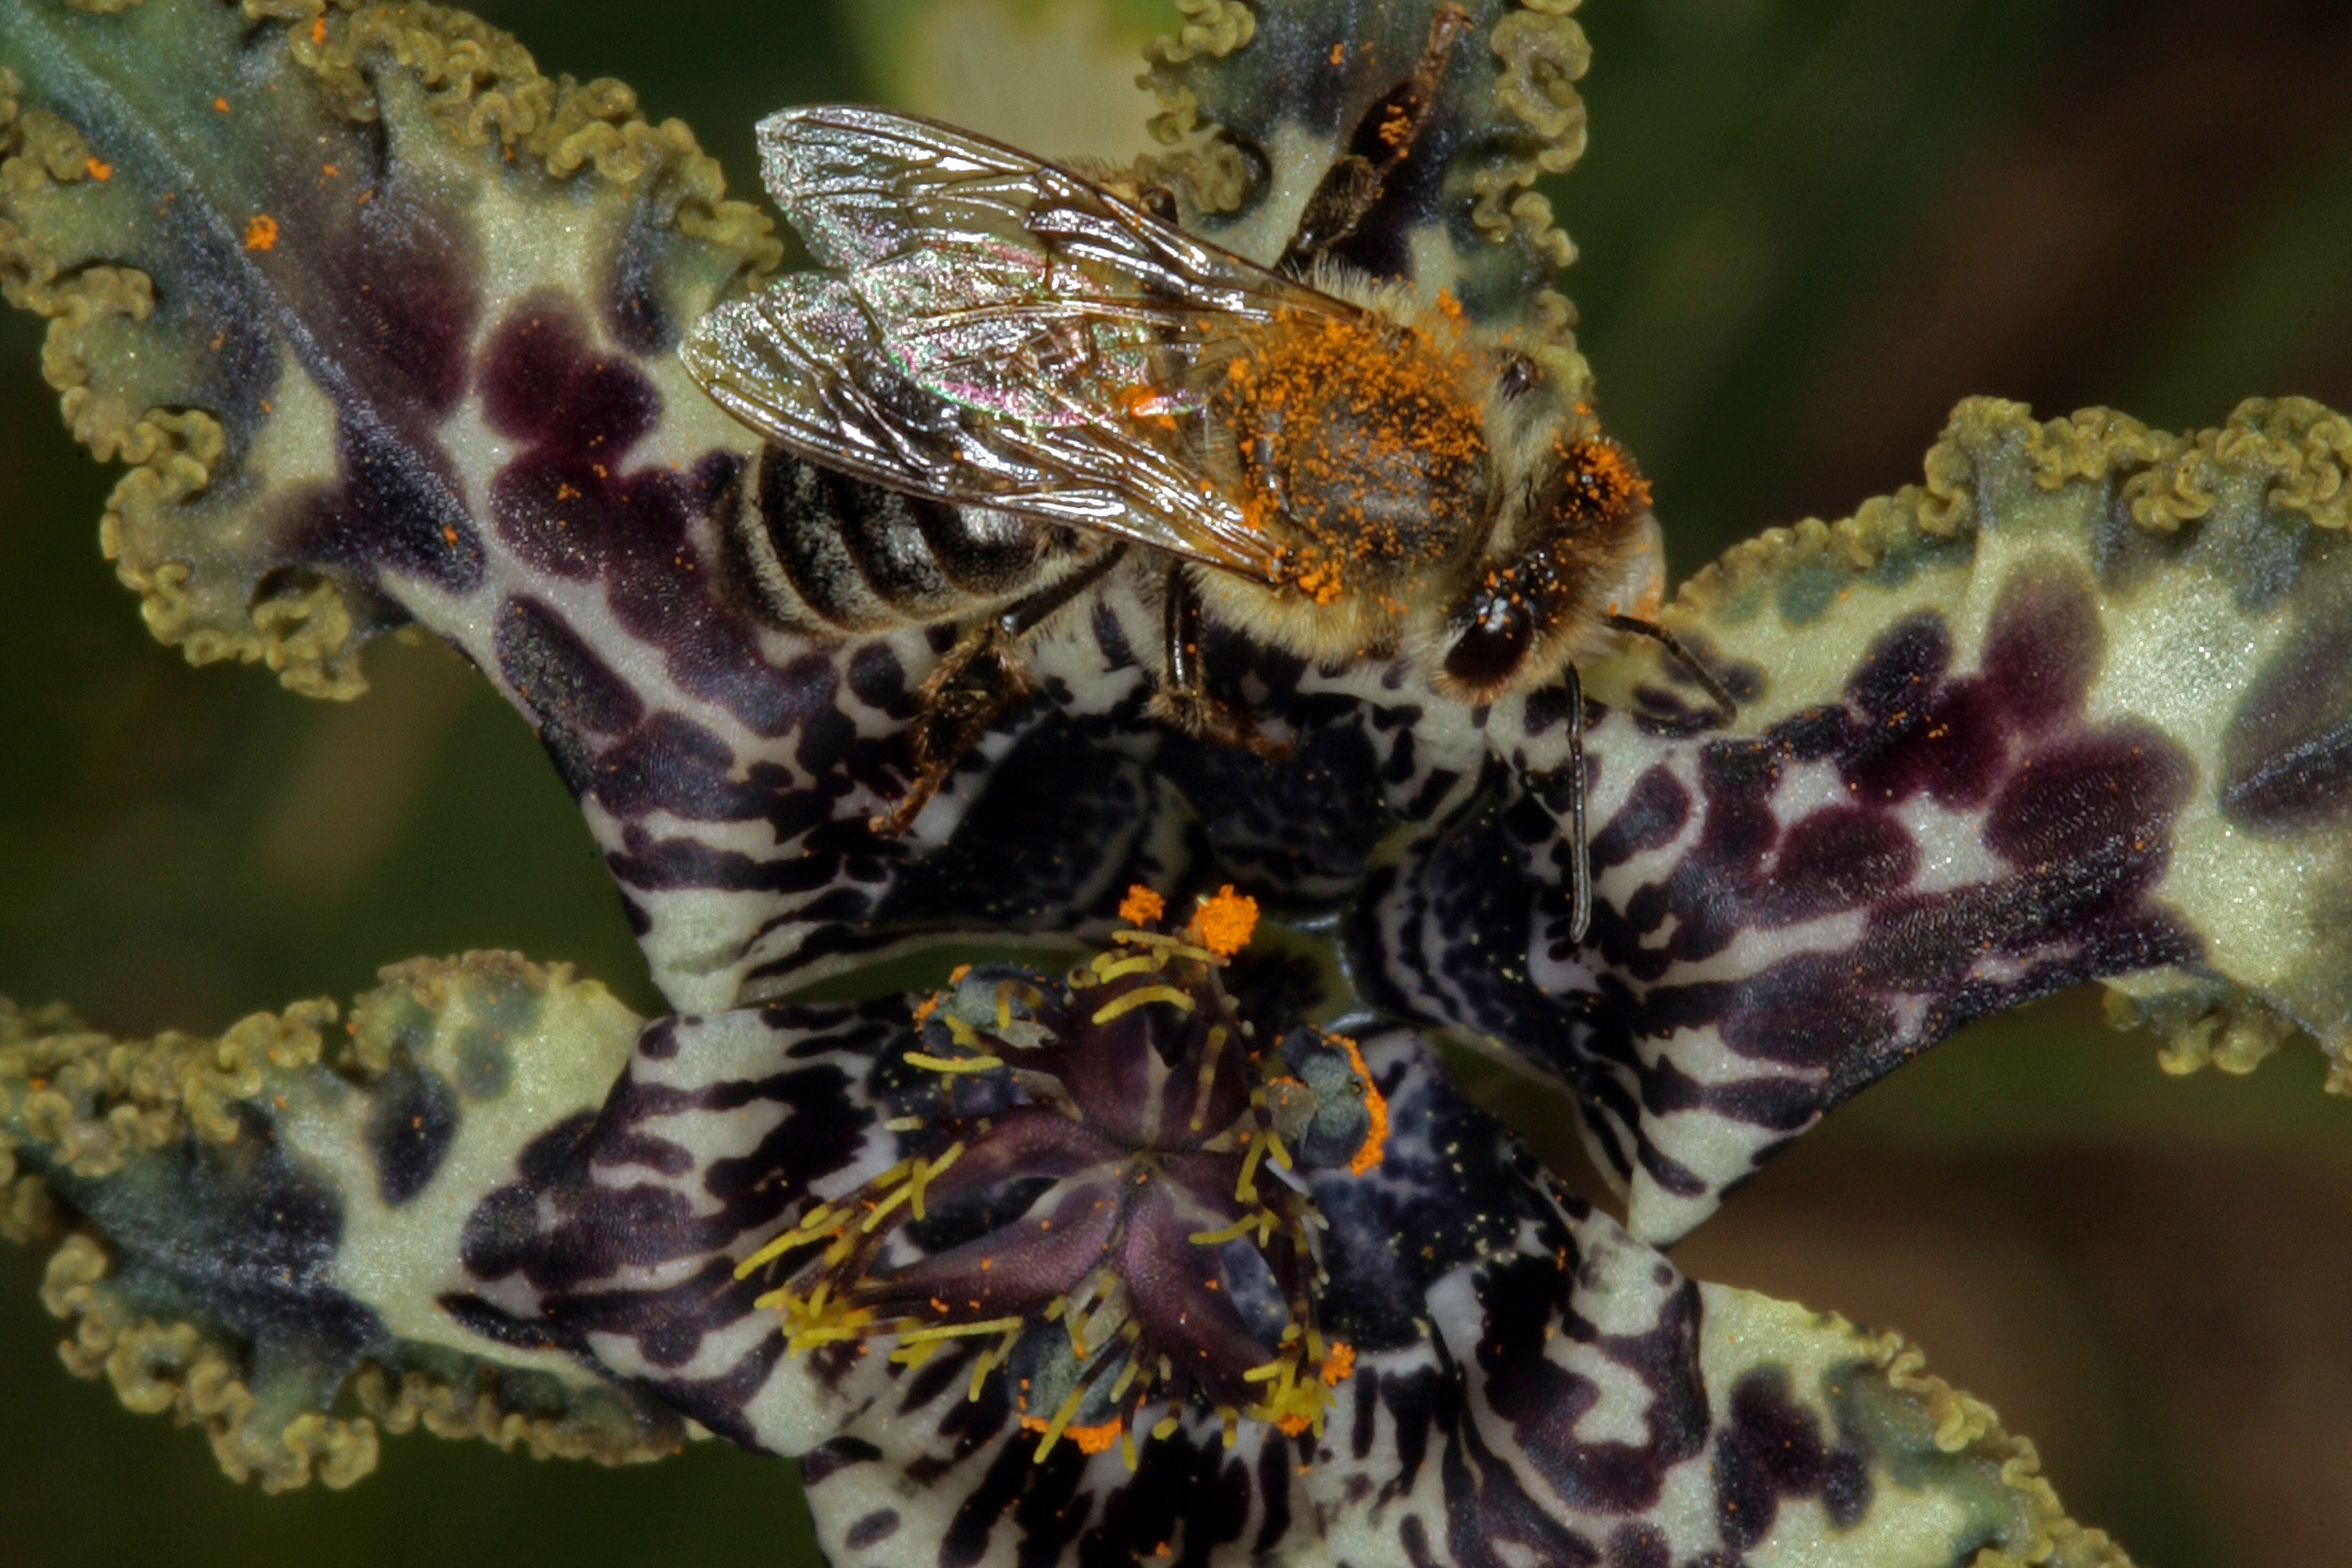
1583, 546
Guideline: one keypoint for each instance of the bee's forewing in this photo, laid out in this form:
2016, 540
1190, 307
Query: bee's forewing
994, 328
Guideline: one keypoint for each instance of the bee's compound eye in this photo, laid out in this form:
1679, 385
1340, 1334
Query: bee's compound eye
1489, 649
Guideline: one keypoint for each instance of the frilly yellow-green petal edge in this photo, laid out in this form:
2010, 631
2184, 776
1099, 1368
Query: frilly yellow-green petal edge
80, 1112
1539, 52
1965, 1476
214, 595
2274, 465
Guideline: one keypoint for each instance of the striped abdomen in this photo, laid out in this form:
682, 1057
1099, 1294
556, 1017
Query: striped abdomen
821, 552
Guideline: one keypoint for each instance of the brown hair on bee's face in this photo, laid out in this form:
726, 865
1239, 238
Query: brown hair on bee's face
1543, 591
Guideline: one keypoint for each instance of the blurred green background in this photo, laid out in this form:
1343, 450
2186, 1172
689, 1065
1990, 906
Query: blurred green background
1808, 227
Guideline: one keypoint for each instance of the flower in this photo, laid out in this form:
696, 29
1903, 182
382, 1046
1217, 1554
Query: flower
955, 1252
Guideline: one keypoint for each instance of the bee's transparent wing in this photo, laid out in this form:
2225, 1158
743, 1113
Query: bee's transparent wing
995, 331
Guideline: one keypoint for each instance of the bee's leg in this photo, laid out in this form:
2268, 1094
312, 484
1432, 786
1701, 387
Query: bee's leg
981, 680
1183, 699
1382, 138
1680, 656
1561, 790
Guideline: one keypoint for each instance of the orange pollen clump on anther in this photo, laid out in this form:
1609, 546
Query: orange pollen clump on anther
1339, 1365
1141, 906
1089, 1439
1376, 1111
1226, 921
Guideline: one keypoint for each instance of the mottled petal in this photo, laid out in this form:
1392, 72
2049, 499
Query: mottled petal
2049, 719
266, 1225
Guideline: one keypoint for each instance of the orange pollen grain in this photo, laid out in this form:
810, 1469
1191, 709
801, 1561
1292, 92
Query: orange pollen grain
220, 106
99, 169
1292, 1426
261, 232
1141, 906
1339, 1365
319, 29
1226, 921
929, 1005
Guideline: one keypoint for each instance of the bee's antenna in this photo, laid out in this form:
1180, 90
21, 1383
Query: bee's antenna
1580, 890
1682, 656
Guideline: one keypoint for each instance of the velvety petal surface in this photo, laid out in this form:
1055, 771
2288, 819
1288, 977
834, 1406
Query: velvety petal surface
260, 1233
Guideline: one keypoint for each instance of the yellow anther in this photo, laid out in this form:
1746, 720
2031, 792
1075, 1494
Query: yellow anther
1165, 1427
1141, 996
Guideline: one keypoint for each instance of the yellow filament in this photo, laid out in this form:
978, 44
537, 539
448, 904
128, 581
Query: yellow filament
1247, 1188
1117, 968
820, 1221
956, 1330
1164, 1428
991, 1359
1142, 996
1060, 1419
882, 1209
1127, 1450
982, 1063
1216, 1044
1174, 947
922, 1176
1233, 1232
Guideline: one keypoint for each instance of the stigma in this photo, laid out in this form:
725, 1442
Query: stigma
1103, 1199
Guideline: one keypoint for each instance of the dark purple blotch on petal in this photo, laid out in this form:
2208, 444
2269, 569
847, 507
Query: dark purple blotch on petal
1772, 1448
389, 297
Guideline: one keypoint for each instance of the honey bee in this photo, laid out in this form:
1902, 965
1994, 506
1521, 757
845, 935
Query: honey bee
1330, 465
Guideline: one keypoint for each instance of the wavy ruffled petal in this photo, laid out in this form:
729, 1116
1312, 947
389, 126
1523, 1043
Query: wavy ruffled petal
2040, 722
264, 1228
